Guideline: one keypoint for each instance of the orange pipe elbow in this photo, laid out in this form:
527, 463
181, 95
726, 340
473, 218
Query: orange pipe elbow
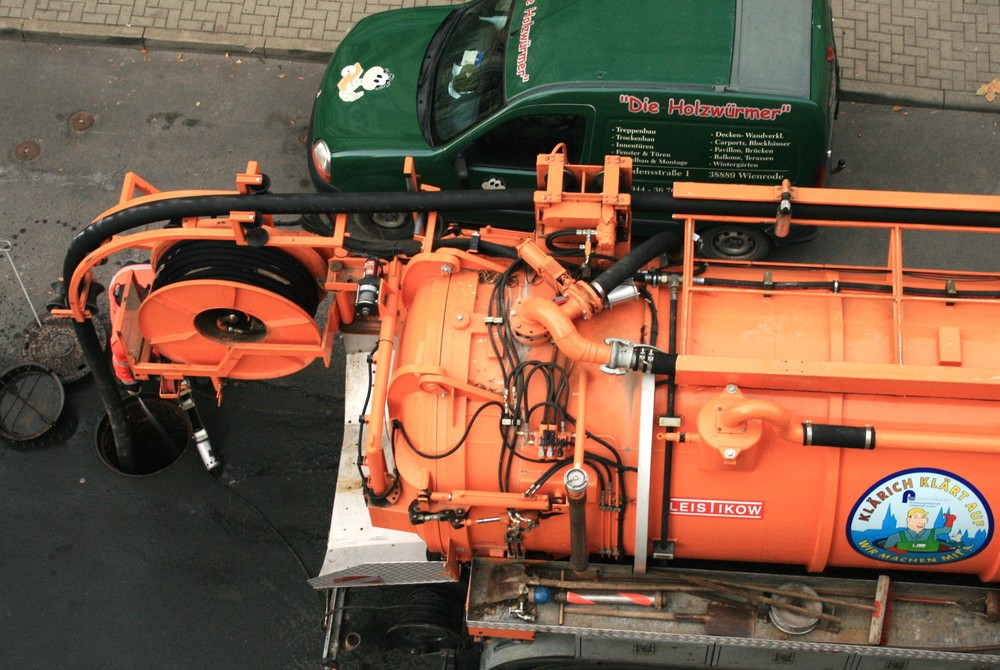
564, 334
747, 410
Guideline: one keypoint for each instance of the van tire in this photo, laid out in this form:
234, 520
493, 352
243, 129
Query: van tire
734, 242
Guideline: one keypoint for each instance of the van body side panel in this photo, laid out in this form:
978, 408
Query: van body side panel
694, 136
824, 77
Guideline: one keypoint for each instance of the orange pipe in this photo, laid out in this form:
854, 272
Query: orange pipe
947, 442
581, 424
564, 334
765, 410
539, 501
374, 455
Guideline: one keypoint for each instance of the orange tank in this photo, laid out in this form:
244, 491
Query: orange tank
818, 416
754, 365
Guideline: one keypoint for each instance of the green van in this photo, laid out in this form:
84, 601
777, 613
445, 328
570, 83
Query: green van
736, 91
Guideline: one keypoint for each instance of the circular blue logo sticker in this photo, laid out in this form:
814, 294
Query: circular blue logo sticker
921, 516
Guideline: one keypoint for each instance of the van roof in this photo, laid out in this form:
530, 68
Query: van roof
750, 46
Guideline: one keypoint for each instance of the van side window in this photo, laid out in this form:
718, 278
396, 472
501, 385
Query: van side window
517, 143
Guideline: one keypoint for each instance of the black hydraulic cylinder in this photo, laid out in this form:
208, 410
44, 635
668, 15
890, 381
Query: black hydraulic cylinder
578, 555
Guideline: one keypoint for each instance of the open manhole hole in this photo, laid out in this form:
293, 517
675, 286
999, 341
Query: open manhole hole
158, 429
27, 150
31, 400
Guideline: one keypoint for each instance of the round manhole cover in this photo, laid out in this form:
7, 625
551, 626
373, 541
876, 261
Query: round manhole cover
27, 150
55, 345
81, 121
31, 400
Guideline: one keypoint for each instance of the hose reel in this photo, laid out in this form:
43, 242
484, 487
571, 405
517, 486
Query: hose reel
215, 301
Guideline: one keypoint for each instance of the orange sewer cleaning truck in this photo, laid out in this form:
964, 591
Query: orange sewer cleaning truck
627, 454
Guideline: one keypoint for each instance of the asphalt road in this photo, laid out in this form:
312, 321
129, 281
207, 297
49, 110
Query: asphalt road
171, 570
178, 120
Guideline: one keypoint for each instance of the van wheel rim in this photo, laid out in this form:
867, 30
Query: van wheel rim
389, 219
734, 243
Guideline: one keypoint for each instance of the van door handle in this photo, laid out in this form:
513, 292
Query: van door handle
462, 170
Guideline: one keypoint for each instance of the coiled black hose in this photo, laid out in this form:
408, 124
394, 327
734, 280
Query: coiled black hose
268, 268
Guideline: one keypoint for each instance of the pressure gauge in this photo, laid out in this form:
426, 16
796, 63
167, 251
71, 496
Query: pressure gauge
576, 480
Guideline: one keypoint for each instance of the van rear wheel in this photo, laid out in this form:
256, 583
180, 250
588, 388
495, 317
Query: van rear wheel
735, 242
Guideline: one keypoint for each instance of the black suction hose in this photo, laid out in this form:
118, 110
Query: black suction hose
117, 223
91, 237
93, 353
632, 262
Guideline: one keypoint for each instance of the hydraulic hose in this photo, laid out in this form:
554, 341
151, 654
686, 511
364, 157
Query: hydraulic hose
487, 248
664, 547
664, 202
633, 261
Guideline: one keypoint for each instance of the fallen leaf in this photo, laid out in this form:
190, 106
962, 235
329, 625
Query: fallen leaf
898, 108
990, 90
180, 56
282, 75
